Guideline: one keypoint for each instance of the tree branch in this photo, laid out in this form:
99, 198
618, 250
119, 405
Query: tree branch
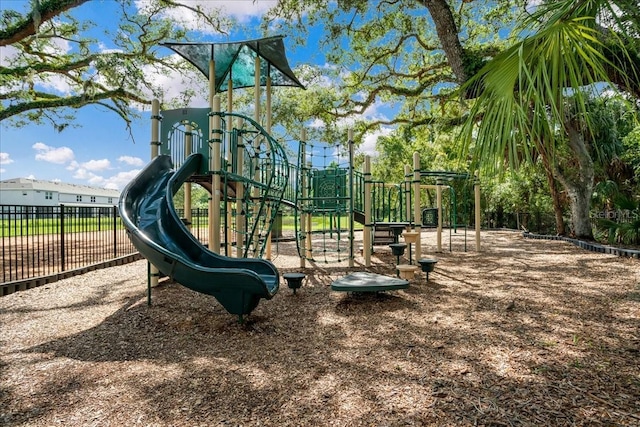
47, 67
26, 27
46, 101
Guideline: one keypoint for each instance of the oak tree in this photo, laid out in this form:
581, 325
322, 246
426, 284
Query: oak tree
54, 63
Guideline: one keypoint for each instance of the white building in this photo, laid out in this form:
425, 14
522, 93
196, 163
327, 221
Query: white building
33, 192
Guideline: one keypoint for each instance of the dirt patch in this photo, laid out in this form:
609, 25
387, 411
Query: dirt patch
527, 332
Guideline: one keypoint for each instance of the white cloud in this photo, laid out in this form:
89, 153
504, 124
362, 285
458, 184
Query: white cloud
131, 161
32, 176
174, 84
322, 78
9, 87
97, 165
368, 146
88, 172
96, 181
8, 54
373, 112
112, 187
241, 10
5, 159
2, 170
115, 182
244, 10
83, 174
57, 46
532, 5
121, 179
60, 155
317, 124
73, 165
89, 177
53, 81
104, 49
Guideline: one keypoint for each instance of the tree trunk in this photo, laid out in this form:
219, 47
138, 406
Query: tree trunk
580, 206
447, 30
577, 178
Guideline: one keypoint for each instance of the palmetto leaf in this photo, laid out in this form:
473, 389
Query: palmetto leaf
529, 90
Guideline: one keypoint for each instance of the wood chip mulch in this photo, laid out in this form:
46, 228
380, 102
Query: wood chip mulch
524, 333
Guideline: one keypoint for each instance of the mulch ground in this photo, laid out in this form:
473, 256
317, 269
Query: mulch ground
524, 333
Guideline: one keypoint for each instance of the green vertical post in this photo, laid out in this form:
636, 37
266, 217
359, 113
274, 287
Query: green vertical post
351, 205
155, 148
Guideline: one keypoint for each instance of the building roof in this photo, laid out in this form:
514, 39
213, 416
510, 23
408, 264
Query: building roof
59, 187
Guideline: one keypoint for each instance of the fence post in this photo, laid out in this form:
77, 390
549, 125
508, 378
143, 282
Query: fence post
115, 231
62, 245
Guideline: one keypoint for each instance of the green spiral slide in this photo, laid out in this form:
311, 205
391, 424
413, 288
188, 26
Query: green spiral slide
156, 230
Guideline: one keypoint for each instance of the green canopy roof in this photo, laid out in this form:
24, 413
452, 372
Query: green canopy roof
236, 61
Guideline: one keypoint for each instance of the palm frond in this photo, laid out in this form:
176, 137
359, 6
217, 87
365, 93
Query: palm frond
529, 90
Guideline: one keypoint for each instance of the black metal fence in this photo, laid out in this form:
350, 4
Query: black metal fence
46, 241
199, 225
537, 222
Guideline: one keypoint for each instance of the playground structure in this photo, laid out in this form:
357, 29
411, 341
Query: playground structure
250, 179
328, 197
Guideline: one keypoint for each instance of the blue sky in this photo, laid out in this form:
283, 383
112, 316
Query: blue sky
98, 150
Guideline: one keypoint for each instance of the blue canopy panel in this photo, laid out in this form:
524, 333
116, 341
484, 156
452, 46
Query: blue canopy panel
236, 61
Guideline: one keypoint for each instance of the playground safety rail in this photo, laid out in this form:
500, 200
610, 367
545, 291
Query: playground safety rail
387, 201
